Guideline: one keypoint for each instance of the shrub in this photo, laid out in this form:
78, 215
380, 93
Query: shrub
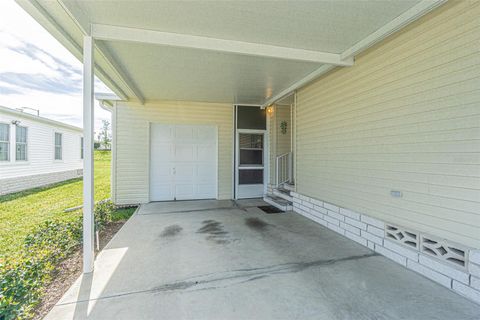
61, 237
103, 213
24, 276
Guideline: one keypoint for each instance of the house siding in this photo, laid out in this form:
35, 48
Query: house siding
272, 135
283, 139
132, 146
279, 143
406, 117
41, 167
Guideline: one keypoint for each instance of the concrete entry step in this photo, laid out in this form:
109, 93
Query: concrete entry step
289, 186
278, 202
283, 193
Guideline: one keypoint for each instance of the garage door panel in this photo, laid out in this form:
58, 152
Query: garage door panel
206, 153
206, 190
206, 133
184, 191
162, 171
161, 165
185, 172
162, 192
184, 133
166, 150
205, 173
163, 133
184, 152
183, 162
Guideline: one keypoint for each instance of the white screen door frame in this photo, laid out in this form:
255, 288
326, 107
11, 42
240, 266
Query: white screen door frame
245, 191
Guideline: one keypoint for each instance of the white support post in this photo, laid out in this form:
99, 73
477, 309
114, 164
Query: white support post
88, 120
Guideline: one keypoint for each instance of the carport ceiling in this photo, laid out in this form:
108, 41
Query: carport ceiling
199, 75
220, 51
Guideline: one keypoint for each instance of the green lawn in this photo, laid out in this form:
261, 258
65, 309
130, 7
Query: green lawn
22, 211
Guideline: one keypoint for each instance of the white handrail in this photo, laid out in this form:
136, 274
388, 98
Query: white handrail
283, 167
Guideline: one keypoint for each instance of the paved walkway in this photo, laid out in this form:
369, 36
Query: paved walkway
227, 260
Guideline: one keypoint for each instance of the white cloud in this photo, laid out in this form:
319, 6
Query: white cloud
17, 62
15, 21
36, 71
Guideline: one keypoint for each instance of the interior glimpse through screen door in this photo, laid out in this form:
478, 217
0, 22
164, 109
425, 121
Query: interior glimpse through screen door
251, 163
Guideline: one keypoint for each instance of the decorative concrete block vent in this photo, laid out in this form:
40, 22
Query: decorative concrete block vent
447, 252
447, 263
444, 250
403, 236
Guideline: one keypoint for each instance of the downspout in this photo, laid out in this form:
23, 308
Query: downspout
105, 105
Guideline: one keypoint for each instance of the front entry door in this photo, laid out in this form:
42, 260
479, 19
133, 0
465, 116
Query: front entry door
250, 173
183, 162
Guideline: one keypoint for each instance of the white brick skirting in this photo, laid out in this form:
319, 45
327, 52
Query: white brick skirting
11, 185
457, 269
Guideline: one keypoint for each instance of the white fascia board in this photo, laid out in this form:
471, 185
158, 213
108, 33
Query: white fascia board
388, 29
393, 26
107, 96
117, 33
84, 25
76, 15
102, 50
310, 77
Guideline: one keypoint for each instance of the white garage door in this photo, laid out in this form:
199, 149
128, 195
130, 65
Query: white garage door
183, 162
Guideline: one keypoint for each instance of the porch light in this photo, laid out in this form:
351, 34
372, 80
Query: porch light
270, 110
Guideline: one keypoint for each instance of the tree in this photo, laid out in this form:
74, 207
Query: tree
105, 136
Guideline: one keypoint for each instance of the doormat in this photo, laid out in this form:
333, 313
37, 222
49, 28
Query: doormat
270, 209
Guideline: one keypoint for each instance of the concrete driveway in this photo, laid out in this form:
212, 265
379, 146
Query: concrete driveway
229, 260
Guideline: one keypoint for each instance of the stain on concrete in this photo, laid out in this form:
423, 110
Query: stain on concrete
214, 231
219, 241
256, 224
212, 227
171, 231
233, 277
239, 276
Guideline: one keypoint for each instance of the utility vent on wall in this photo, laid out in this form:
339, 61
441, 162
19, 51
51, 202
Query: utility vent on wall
442, 249
448, 252
399, 234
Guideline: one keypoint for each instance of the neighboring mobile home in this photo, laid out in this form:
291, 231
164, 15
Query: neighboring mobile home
36, 151
363, 116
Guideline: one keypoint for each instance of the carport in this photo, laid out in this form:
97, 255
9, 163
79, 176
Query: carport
210, 52
230, 260
362, 117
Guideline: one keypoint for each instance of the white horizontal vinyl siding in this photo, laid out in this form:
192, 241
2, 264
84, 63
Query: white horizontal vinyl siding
282, 113
132, 143
41, 149
279, 143
405, 117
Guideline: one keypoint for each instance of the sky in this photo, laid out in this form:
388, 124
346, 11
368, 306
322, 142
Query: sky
36, 71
